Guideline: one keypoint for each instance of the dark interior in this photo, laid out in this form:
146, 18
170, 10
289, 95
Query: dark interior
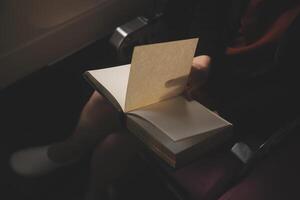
44, 106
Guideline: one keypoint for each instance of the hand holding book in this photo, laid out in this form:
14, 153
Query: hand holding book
198, 75
148, 92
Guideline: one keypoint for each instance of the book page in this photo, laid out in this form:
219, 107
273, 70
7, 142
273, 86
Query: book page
159, 71
180, 119
114, 80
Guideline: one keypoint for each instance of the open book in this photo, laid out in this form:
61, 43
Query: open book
149, 92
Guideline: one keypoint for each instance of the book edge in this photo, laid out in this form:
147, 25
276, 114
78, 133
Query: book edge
173, 156
102, 90
218, 128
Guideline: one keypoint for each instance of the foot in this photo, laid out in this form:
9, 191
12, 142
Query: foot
33, 162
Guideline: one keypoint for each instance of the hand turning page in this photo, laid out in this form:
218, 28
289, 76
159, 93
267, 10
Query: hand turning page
158, 71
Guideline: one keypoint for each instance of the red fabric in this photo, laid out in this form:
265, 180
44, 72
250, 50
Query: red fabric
207, 177
275, 178
263, 24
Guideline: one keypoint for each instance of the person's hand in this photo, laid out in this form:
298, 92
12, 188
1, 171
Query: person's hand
198, 75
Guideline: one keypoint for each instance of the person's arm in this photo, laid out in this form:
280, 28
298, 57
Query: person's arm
210, 19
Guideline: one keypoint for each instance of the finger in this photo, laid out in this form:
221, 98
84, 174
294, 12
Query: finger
188, 93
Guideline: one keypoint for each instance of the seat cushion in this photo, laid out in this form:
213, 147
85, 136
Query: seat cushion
208, 177
276, 177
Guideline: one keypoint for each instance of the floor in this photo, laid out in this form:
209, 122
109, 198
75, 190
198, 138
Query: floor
44, 108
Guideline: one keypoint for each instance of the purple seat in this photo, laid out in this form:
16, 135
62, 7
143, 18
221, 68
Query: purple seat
208, 177
277, 177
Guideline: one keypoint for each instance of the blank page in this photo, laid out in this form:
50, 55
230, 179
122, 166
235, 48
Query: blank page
181, 119
159, 71
115, 80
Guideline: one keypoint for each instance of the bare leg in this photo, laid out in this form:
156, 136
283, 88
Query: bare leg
99, 129
111, 157
98, 118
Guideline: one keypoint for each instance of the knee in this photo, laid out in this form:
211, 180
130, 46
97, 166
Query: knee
119, 142
115, 148
112, 157
96, 99
97, 109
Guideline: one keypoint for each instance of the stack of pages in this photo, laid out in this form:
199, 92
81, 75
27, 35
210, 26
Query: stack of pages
149, 90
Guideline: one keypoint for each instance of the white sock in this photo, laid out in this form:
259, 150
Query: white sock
33, 162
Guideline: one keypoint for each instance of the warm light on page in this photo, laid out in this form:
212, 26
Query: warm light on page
158, 72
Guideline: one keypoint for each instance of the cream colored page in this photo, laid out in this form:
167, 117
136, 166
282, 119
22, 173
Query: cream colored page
158, 71
115, 80
181, 119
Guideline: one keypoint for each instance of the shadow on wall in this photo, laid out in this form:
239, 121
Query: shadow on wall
32, 17
35, 33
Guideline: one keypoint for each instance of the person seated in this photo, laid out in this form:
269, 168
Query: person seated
235, 37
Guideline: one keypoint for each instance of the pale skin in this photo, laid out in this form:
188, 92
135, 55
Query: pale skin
100, 129
199, 74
